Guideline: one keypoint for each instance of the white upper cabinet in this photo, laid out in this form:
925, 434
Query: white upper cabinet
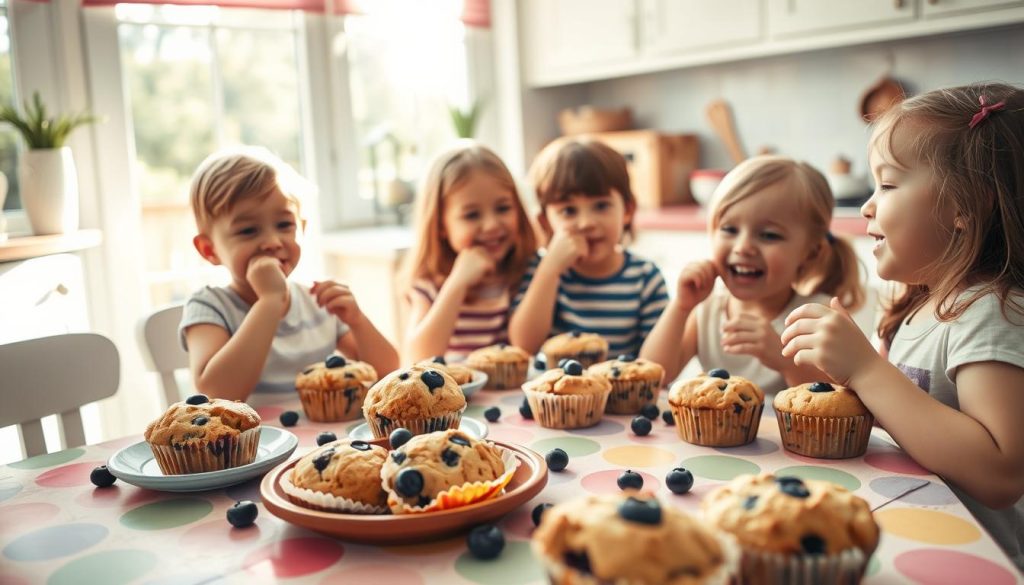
797, 17
669, 26
565, 35
950, 7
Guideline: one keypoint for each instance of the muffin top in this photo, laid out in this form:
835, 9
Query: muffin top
820, 399
412, 393
573, 342
630, 538
335, 372
345, 468
569, 379
629, 368
200, 419
501, 353
792, 516
461, 374
428, 464
716, 390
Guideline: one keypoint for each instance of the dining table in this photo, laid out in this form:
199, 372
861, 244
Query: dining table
56, 527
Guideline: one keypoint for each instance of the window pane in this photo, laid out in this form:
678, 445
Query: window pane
8, 136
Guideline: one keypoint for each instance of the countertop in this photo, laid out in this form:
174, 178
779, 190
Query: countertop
23, 247
847, 221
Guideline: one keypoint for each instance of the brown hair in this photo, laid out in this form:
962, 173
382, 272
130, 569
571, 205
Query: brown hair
834, 269
979, 179
229, 176
580, 165
432, 256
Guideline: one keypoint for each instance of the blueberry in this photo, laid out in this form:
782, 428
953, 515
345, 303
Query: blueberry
409, 482
450, 458
679, 480
485, 542
359, 445
749, 502
101, 477
433, 379
243, 513
540, 364
630, 479
641, 511
398, 457
325, 437
525, 411
288, 418
573, 368
650, 410
538, 512
459, 440
616, 372
627, 357
813, 544
563, 361
334, 361
197, 399
719, 373
492, 414
793, 486
439, 359
399, 437
641, 425
200, 420
821, 387
557, 459
574, 333
668, 418
323, 459
403, 376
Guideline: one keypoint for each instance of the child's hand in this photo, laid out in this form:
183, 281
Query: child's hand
828, 339
695, 284
753, 335
266, 278
471, 266
337, 299
566, 247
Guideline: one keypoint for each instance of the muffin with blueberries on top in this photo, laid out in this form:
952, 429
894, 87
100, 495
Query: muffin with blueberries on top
823, 420
568, 397
421, 399
716, 409
460, 373
586, 348
200, 434
635, 382
505, 365
341, 476
333, 390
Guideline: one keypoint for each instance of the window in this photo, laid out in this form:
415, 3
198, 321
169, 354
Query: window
8, 136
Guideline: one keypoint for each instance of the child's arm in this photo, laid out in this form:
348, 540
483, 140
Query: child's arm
753, 335
531, 322
980, 447
363, 341
229, 366
431, 325
678, 324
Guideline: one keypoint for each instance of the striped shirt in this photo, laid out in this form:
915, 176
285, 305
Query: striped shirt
481, 322
622, 308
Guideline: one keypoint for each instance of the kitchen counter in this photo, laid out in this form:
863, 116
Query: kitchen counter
847, 221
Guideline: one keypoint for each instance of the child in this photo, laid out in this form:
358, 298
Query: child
473, 242
586, 281
947, 218
771, 246
257, 333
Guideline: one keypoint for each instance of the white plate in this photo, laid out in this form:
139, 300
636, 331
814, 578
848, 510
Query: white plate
474, 428
136, 465
478, 381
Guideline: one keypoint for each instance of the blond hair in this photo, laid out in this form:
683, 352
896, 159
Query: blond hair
979, 180
232, 175
834, 269
432, 256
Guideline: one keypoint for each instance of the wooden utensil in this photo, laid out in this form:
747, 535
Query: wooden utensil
884, 94
720, 116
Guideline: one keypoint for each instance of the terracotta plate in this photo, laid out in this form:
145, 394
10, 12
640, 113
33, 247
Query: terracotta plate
529, 479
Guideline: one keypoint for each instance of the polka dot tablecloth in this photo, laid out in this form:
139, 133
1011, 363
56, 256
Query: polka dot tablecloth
55, 527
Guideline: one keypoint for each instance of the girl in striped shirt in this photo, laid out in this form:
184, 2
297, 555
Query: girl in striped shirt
473, 242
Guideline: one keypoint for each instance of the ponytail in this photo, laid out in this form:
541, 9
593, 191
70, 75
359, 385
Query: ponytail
834, 271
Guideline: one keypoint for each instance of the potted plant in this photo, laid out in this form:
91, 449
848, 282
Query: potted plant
49, 181
464, 121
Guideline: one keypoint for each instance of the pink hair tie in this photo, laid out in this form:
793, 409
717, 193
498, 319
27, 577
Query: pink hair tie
984, 111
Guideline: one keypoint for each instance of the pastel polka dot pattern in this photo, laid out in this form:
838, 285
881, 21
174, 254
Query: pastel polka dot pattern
29, 515
8, 489
932, 494
895, 462
218, 533
942, 567
720, 467
637, 456
515, 566
604, 428
755, 447
605, 482
508, 434
55, 541
373, 573
823, 473
68, 475
111, 567
49, 460
166, 514
295, 557
573, 446
928, 526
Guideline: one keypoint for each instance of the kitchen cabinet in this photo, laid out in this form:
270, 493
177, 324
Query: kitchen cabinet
670, 26
932, 8
42, 296
796, 17
565, 35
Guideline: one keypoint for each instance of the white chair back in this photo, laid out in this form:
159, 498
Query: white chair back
157, 334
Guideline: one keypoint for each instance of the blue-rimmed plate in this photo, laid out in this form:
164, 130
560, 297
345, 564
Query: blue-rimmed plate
473, 427
478, 381
136, 465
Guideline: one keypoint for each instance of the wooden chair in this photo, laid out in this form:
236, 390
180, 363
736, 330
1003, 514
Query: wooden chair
157, 334
55, 375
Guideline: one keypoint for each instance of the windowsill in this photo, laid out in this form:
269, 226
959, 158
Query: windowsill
23, 247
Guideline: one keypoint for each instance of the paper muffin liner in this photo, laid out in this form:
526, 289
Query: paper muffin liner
566, 411
713, 427
585, 358
503, 375
772, 568
629, 396
382, 427
335, 404
825, 437
461, 495
324, 502
200, 457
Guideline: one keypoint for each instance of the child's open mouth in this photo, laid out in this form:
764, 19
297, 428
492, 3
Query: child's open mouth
744, 272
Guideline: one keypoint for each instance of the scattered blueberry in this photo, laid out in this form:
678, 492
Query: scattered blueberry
485, 542
325, 437
525, 411
630, 479
538, 512
627, 357
334, 361
288, 418
243, 513
679, 480
813, 544
492, 414
433, 379
399, 437
793, 486
197, 399
668, 418
641, 511
439, 359
573, 368
409, 482
650, 410
557, 459
821, 387
540, 364
641, 425
719, 373
101, 477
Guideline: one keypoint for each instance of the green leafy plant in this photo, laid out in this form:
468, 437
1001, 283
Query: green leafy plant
41, 130
465, 121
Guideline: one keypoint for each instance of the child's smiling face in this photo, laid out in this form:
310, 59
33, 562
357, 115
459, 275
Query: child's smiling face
481, 212
600, 219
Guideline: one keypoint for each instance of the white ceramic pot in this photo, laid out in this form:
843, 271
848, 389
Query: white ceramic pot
49, 190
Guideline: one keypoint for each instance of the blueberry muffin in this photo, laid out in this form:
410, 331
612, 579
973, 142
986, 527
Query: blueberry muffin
461, 374
716, 409
823, 420
418, 472
333, 390
421, 399
341, 476
635, 382
505, 365
788, 527
630, 538
568, 397
586, 348
201, 434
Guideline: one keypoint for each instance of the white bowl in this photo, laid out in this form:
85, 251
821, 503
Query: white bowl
703, 183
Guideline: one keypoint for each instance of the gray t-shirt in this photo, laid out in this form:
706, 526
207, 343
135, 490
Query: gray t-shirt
305, 335
929, 352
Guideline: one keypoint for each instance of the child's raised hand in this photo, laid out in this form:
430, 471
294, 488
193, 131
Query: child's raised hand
695, 283
471, 266
753, 335
337, 300
566, 247
828, 339
266, 277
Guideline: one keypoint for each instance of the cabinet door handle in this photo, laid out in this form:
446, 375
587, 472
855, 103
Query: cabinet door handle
60, 289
